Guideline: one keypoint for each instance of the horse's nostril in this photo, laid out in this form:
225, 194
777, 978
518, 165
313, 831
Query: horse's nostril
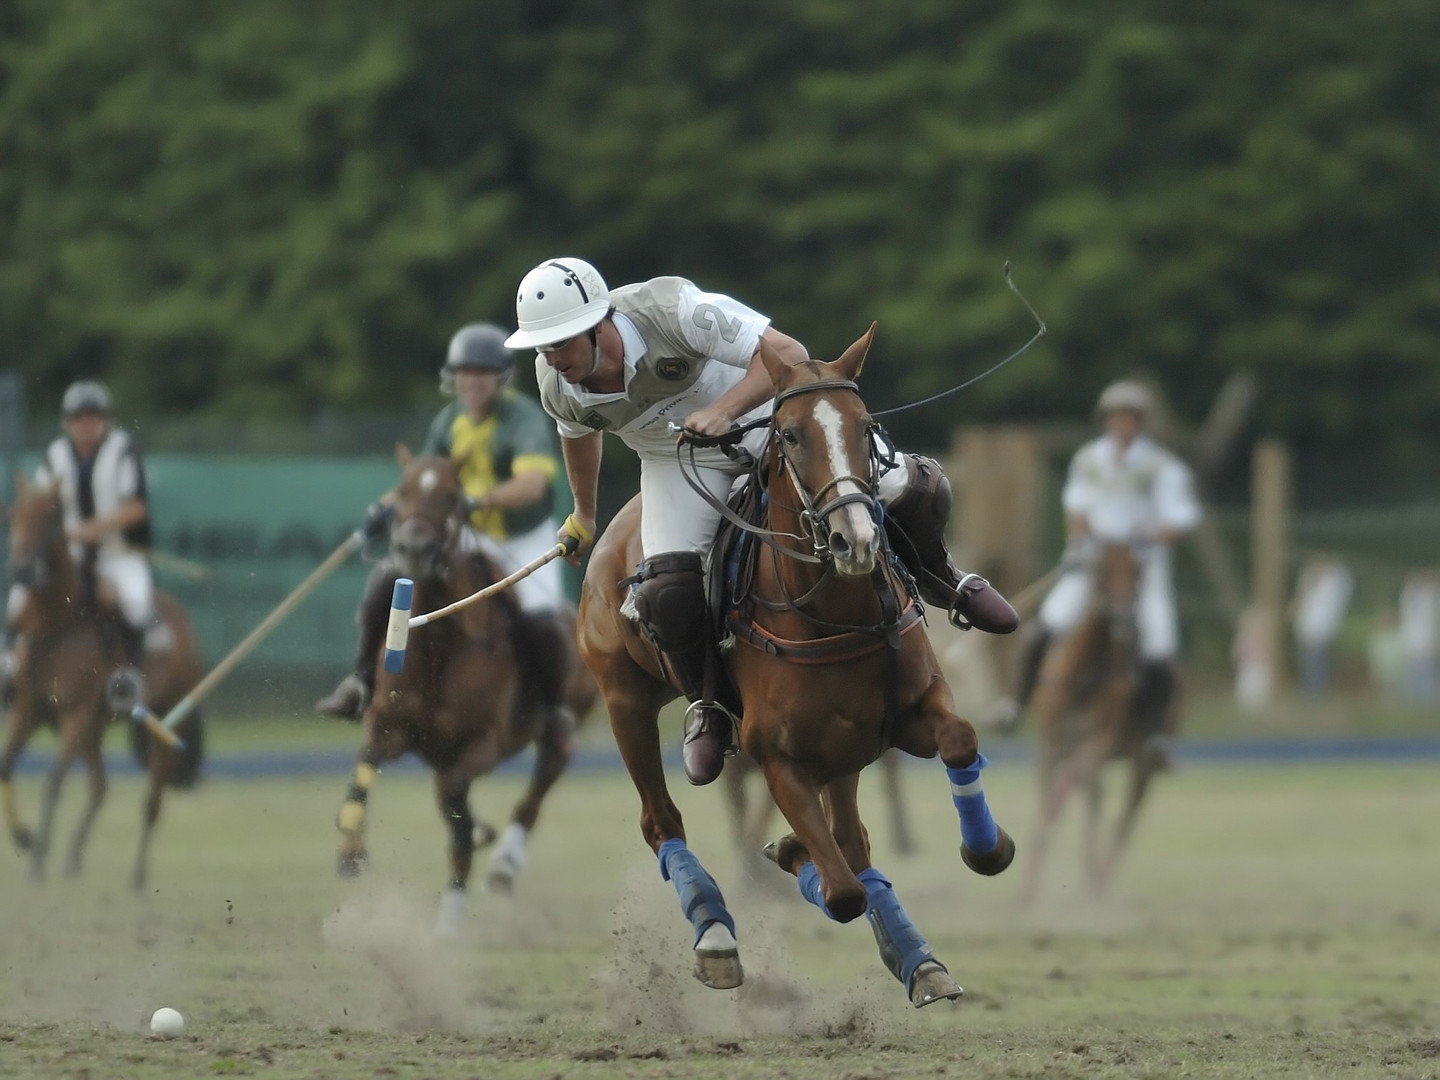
838, 544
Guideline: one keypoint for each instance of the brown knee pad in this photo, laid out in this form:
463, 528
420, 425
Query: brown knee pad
671, 600
925, 504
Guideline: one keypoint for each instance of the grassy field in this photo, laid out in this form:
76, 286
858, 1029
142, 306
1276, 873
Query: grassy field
1275, 922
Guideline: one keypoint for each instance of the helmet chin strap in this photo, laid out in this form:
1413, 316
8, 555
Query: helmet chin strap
595, 349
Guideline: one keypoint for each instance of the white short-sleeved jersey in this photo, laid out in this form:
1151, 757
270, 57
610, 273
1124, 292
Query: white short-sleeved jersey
1127, 496
684, 348
115, 474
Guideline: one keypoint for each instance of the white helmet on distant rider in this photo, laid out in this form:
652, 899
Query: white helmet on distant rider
557, 300
1127, 395
85, 397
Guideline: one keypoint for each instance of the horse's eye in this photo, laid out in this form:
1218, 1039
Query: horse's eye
789, 436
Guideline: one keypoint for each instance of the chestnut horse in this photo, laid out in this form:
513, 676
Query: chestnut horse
460, 703
1087, 711
73, 646
828, 681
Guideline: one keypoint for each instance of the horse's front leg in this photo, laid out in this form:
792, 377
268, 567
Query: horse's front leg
634, 708
553, 749
384, 741
160, 763
824, 873
95, 768
73, 725
18, 733
984, 846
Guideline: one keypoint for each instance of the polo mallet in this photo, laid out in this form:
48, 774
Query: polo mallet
142, 715
397, 636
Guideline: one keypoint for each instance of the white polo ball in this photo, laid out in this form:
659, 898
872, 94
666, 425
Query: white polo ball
167, 1023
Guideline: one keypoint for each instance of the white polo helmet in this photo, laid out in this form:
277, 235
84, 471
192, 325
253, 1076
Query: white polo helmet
1125, 394
557, 300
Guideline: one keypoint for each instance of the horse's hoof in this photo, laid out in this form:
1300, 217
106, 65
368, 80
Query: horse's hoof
992, 862
788, 853
717, 959
498, 882
932, 983
351, 865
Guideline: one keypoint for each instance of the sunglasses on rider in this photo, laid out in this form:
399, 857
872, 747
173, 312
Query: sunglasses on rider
555, 346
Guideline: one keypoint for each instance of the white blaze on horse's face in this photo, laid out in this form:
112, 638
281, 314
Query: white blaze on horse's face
429, 479
853, 538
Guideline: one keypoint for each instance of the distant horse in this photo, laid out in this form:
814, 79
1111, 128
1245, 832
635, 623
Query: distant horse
1088, 714
73, 646
460, 703
832, 665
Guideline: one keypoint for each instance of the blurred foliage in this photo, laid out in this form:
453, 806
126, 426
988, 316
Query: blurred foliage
269, 209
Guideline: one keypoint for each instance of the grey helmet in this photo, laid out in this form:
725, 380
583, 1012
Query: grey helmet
476, 347
85, 397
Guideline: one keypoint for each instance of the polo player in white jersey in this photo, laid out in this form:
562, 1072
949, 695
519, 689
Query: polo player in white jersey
1122, 488
101, 480
663, 351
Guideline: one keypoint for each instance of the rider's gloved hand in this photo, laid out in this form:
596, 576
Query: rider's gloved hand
577, 534
376, 522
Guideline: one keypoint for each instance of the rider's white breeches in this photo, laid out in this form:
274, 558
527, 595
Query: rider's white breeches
127, 572
544, 590
675, 518
1155, 617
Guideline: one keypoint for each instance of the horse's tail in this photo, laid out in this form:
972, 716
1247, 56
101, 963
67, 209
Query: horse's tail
186, 773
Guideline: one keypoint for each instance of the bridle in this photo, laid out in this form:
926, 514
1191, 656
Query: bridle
814, 511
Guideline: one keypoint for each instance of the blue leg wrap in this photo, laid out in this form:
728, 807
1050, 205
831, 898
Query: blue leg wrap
977, 827
700, 897
808, 878
901, 946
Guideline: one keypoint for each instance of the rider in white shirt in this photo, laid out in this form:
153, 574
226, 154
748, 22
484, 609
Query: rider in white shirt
101, 480
1122, 488
663, 351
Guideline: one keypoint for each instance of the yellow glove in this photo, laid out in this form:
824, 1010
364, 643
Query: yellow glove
575, 535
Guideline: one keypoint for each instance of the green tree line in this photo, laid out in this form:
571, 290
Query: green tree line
265, 209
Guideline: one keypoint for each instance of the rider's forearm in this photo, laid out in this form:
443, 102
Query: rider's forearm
757, 387
521, 490
582, 468
129, 513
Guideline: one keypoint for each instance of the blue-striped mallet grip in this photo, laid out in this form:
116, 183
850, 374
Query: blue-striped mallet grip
397, 634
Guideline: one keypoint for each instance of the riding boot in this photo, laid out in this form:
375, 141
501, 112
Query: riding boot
1153, 711
671, 604
348, 700
1032, 657
916, 521
125, 688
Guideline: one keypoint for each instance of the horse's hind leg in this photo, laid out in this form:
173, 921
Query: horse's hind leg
900, 834
552, 756
21, 727
1143, 770
95, 768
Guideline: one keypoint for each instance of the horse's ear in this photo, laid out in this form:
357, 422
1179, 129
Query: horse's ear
774, 365
853, 359
403, 455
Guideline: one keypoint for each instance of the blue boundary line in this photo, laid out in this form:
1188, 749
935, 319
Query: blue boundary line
260, 765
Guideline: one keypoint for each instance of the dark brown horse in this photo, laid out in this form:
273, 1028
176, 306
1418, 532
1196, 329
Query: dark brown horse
73, 645
460, 703
821, 701
1088, 714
